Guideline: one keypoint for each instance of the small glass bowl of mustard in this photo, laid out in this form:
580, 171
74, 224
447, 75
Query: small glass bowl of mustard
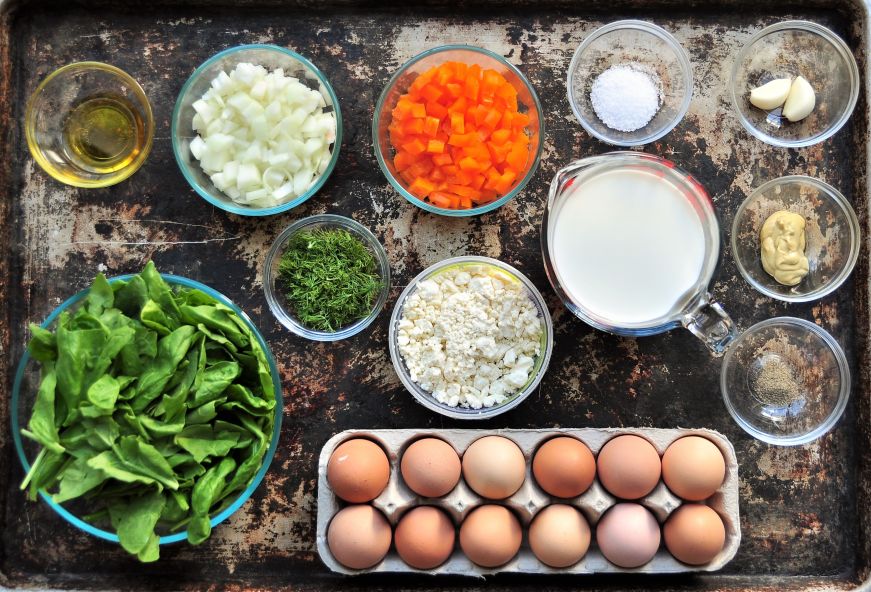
89, 124
831, 236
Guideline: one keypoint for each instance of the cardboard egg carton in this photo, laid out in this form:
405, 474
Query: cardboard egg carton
397, 498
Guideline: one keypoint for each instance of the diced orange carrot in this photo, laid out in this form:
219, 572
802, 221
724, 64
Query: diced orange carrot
492, 118
470, 164
418, 110
454, 90
436, 109
459, 106
421, 187
462, 140
458, 122
412, 126
477, 151
440, 199
517, 158
461, 69
414, 147
440, 160
403, 160
520, 120
435, 146
465, 203
431, 92
500, 136
430, 126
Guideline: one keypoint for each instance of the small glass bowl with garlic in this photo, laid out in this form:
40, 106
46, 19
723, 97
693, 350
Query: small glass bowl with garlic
831, 236
788, 50
457, 352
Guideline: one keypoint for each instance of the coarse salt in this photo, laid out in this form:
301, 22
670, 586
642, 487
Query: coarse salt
626, 98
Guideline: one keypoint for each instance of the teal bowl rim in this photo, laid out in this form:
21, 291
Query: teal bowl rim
232, 207
471, 211
267, 458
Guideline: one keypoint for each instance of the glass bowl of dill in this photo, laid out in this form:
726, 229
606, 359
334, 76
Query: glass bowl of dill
326, 277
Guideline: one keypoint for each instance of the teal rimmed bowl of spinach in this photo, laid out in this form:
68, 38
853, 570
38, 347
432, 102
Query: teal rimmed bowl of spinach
146, 410
326, 277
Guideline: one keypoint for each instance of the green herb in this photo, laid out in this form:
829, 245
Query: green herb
155, 407
330, 278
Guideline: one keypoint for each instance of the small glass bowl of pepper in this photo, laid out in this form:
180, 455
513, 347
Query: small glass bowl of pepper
326, 277
785, 381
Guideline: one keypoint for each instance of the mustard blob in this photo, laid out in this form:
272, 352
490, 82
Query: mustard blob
782, 240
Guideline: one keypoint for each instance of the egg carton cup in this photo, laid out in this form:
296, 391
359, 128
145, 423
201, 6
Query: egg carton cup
397, 498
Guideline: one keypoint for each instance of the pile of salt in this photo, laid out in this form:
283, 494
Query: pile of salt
626, 98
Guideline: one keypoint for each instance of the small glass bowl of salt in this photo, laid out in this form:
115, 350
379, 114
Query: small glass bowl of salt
630, 83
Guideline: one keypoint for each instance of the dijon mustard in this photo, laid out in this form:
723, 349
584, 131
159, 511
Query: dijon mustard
783, 242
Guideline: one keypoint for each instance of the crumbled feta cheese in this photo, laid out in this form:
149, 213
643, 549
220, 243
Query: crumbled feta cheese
470, 336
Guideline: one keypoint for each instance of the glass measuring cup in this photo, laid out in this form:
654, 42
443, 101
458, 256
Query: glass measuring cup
692, 306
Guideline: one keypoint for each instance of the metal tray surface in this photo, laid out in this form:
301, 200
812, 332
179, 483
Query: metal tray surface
805, 511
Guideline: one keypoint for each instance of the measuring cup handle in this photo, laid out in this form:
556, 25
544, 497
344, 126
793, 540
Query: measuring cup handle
709, 322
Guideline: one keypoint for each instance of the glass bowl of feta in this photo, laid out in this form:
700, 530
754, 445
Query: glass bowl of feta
470, 337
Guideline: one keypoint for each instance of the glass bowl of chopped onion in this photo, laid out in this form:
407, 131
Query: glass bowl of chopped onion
786, 51
256, 130
630, 83
785, 381
470, 337
458, 130
326, 277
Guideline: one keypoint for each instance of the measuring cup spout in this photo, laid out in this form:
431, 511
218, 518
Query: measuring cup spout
709, 322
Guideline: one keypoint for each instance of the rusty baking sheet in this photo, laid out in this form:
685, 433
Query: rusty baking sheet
805, 511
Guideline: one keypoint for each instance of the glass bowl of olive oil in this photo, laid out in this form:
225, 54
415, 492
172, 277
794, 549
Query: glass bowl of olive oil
89, 124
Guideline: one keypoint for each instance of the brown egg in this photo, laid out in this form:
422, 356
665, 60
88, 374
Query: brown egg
564, 467
559, 535
628, 535
694, 534
358, 536
494, 467
358, 470
490, 536
430, 467
425, 537
693, 468
629, 466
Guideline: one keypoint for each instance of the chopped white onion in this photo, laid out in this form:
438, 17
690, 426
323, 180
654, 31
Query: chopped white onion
263, 137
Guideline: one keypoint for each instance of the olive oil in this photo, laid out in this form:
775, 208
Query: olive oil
103, 134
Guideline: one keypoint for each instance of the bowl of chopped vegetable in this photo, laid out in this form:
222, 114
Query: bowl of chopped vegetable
458, 130
470, 337
256, 130
326, 277
630, 83
146, 410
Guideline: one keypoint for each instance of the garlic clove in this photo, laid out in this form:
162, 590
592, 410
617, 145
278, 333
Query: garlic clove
800, 101
771, 95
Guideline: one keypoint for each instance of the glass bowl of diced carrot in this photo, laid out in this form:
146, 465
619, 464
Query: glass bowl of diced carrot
458, 130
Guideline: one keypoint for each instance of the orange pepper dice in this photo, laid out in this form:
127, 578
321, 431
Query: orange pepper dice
459, 140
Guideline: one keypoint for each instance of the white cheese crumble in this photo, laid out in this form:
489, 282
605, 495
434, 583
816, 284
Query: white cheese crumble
470, 336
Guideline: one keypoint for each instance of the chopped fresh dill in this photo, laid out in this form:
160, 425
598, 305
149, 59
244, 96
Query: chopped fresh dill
329, 277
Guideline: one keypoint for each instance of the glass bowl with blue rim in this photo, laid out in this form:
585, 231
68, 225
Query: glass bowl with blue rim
78, 511
399, 83
270, 57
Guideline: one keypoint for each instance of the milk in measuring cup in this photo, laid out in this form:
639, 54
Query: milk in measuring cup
628, 246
